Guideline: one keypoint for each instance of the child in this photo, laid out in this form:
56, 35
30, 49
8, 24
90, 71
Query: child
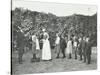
69, 48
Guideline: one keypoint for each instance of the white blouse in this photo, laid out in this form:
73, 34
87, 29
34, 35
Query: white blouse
57, 40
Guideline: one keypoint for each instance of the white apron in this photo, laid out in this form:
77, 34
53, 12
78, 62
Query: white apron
46, 50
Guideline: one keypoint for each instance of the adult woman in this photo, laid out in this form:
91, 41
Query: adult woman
46, 50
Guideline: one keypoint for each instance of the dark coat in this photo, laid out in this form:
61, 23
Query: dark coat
88, 48
83, 45
62, 43
80, 48
20, 39
20, 42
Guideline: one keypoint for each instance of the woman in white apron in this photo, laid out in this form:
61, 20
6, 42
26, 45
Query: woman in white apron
46, 50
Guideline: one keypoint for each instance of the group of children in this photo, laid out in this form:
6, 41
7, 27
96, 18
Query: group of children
73, 45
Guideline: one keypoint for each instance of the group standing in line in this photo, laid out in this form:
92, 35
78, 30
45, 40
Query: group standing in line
68, 46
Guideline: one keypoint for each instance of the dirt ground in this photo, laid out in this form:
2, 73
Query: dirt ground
56, 65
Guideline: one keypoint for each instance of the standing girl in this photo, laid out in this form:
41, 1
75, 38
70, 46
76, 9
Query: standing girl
69, 48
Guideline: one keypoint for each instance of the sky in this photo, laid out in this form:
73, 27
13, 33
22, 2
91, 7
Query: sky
59, 9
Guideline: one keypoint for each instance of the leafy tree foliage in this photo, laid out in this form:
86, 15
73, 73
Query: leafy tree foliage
31, 21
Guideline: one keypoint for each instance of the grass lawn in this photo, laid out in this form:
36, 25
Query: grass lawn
56, 65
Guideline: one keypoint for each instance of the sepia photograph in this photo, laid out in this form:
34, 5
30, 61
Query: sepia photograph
49, 37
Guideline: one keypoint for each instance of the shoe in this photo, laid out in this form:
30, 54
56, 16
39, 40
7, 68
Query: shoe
84, 61
33, 60
57, 57
63, 57
80, 59
38, 60
69, 58
50, 60
75, 58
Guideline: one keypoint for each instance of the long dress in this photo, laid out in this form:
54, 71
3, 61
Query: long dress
69, 47
46, 50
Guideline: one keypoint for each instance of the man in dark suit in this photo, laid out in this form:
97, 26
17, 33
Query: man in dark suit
84, 48
63, 45
40, 40
88, 50
75, 45
80, 48
20, 44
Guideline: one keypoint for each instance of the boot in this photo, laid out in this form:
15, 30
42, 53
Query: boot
34, 58
70, 56
57, 56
